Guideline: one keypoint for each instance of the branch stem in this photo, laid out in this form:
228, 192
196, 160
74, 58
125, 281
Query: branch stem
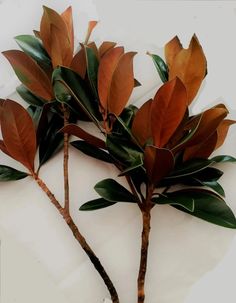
66, 161
79, 237
146, 219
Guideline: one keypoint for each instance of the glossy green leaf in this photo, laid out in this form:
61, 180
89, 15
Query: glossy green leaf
92, 151
122, 149
161, 67
208, 206
138, 163
75, 87
9, 174
92, 69
28, 97
223, 158
96, 204
112, 191
184, 201
33, 47
214, 185
52, 140
189, 168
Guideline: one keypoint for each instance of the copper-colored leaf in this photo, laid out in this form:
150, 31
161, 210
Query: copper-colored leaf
68, 19
75, 130
190, 66
201, 150
222, 131
79, 64
210, 120
158, 163
115, 80
91, 26
168, 109
172, 48
106, 70
3, 148
18, 133
53, 24
105, 47
122, 84
30, 74
141, 127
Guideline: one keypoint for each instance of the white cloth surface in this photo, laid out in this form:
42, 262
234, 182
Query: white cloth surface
40, 260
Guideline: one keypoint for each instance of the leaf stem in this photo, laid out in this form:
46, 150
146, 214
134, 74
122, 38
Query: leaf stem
66, 161
79, 237
146, 218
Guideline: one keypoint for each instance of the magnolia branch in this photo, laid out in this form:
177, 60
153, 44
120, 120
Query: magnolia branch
79, 237
146, 218
66, 160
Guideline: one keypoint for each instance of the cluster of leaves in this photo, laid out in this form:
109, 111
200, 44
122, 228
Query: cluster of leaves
157, 146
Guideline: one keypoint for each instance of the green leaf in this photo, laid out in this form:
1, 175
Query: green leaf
223, 158
112, 191
92, 151
9, 174
189, 168
29, 97
96, 204
123, 150
52, 140
92, 69
75, 87
34, 48
184, 201
138, 163
161, 67
127, 117
35, 113
215, 186
208, 206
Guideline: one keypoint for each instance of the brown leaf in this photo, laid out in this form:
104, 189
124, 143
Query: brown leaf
122, 84
168, 110
30, 74
158, 163
105, 47
202, 150
172, 48
75, 130
79, 64
141, 127
106, 70
68, 19
3, 148
91, 26
210, 120
18, 133
190, 66
222, 131
55, 37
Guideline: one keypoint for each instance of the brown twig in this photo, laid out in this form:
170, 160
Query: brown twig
146, 218
66, 160
79, 237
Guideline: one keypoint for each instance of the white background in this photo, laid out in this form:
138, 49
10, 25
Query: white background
190, 260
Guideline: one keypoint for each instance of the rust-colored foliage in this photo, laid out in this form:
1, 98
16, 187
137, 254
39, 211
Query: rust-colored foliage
168, 109
56, 34
30, 74
18, 133
187, 64
158, 162
141, 128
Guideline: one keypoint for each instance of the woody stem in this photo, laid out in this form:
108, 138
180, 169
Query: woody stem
79, 237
